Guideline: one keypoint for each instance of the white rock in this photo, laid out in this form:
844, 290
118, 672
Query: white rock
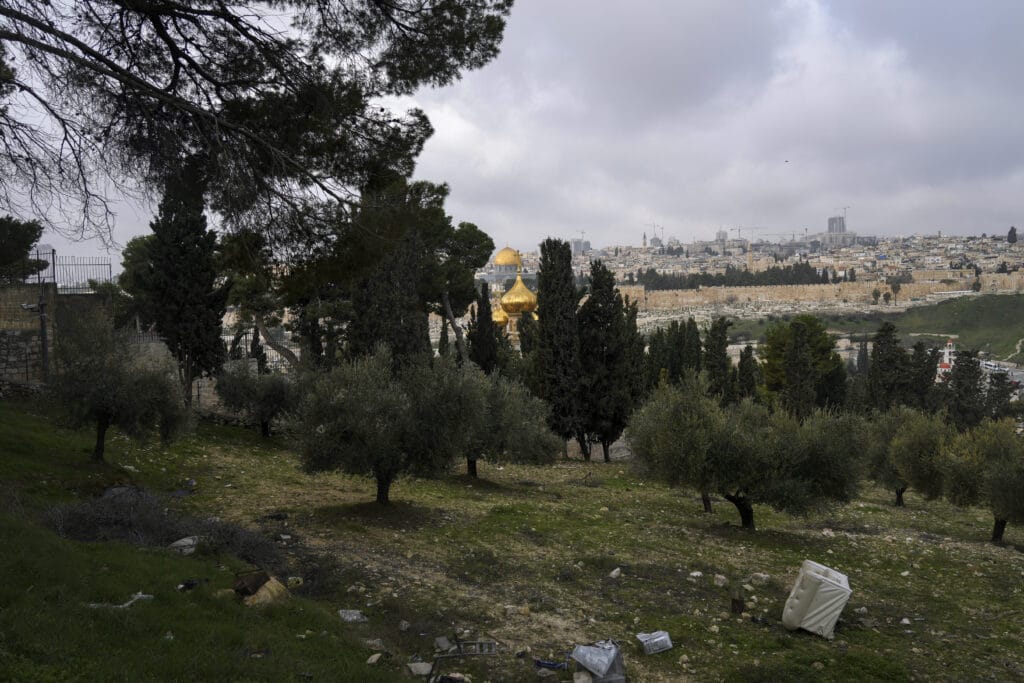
616, 573
696, 575
720, 580
185, 546
375, 658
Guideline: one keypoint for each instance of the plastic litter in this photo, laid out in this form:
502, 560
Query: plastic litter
352, 615
655, 642
131, 601
603, 660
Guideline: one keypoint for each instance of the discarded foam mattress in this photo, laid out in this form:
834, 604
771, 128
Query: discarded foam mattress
817, 599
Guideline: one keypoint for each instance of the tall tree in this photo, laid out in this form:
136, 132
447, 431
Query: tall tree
800, 364
387, 308
187, 301
888, 373
555, 361
1011, 236
964, 391
692, 354
748, 374
483, 337
717, 363
608, 362
924, 365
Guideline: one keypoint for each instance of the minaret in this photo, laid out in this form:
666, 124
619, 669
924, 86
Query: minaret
645, 239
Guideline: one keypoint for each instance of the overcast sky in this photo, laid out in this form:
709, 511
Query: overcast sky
604, 117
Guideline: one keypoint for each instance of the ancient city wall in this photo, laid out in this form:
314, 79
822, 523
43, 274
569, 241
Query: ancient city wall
853, 292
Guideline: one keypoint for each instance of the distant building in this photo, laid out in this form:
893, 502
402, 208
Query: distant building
837, 224
579, 247
722, 235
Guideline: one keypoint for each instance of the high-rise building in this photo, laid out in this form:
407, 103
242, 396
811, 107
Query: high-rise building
837, 224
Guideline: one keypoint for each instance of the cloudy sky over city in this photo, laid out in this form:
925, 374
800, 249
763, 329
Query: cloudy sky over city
604, 117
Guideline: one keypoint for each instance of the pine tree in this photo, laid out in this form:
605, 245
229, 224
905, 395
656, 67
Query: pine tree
482, 336
187, 303
965, 391
554, 361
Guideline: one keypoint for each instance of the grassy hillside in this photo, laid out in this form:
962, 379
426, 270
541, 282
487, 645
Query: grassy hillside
49, 632
524, 556
992, 323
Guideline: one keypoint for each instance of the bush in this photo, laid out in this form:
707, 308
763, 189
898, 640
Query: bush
262, 397
138, 517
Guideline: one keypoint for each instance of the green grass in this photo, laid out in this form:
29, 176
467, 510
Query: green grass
523, 555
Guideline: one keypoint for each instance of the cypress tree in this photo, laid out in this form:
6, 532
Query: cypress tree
716, 359
188, 306
554, 361
607, 363
748, 376
692, 354
482, 336
443, 342
888, 374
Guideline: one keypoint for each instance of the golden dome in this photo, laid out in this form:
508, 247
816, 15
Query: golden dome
499, 316
508, 257
519, 299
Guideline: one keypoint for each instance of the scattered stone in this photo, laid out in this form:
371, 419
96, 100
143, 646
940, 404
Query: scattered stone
713, 628
759, 579
749, 588
861, 610
546, 673
696, 575
185, 546
817, 666
352, 616
905, 622
615, 573
285, 537
582, 677
420, 668
270, 593
295, 581
907, 573
403, 626
720, 580
442, 643
828, 533
374, 644
684, 660
168, 636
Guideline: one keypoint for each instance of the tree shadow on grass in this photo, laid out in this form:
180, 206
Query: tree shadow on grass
478, 483
397, 515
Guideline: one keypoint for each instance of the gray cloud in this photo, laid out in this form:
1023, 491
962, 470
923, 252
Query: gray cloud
604, 116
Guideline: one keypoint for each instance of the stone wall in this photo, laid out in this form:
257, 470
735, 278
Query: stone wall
845, 292
21, 351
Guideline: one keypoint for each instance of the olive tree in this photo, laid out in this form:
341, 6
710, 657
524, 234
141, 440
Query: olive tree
100, 380
746, 453
514, 428
915, 453
373, 418
263, 397
985, 466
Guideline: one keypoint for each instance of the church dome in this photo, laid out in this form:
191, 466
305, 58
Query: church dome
508, 257
519, 299
499, 316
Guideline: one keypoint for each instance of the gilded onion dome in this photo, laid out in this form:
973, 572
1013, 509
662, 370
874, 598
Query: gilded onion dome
499, 316
519, 299
508, 257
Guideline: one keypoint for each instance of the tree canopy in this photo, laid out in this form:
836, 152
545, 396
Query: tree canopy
284, 95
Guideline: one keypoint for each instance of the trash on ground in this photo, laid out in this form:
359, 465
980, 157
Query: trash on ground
270, 593
352, 616
250, 582
373, 659
548, 664
420, 668
131, 601
817, 599
603, 660
655, 642
442, 644
189, 584
185, 546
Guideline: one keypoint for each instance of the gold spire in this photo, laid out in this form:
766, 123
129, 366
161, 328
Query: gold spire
519, 299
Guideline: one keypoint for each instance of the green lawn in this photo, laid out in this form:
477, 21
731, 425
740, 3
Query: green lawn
522, 555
